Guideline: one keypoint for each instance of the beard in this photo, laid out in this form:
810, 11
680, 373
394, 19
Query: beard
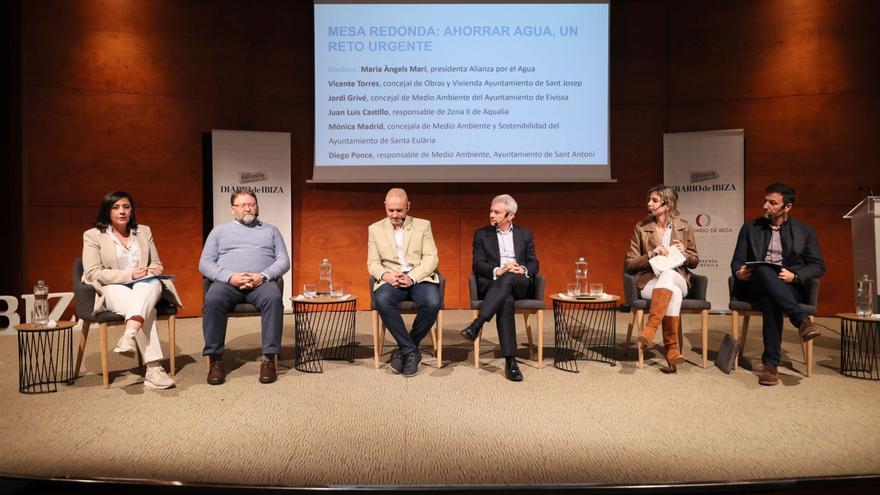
247, 218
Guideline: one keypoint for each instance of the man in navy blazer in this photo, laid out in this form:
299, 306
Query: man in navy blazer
792, 252
505, 265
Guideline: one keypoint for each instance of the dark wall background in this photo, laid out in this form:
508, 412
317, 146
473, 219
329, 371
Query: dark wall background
117, 95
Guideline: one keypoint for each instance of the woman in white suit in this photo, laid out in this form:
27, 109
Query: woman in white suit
117, 252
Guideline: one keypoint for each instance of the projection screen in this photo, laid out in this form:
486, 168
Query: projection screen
464, 92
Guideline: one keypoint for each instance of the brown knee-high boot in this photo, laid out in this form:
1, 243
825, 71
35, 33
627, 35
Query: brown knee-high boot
670, 339
659, 302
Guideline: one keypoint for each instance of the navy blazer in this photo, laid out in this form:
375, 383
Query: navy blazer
487, 254
800, 247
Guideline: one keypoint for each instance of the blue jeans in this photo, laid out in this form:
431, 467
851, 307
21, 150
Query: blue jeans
426, 295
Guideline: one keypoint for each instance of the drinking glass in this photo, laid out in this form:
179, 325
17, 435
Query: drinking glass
572, 289
310, 291
337, 291
597, 289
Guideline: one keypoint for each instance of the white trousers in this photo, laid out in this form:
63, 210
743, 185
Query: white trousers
139, 300
672, 280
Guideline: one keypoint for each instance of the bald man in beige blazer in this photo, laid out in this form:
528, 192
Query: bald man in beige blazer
402, 257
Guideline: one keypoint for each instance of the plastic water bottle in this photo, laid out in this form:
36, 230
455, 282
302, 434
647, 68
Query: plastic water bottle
41, 304
325, 285
580, 275
864, 296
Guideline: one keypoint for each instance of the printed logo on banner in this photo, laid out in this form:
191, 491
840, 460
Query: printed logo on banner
703, 220
245, 177
707, 175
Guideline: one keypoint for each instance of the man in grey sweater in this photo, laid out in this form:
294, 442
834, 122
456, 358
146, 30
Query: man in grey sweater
239, 258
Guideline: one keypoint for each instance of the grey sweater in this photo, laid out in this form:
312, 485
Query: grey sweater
233, 247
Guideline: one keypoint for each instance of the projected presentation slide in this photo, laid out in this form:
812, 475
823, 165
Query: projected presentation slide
430, 85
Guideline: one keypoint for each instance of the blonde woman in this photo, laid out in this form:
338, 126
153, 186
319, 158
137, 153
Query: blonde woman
657, 234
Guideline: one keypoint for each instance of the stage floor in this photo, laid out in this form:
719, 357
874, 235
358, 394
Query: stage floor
456, 425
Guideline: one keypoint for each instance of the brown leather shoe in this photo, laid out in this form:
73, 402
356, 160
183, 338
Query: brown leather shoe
267, 371
216, 373
769, 375
808, 330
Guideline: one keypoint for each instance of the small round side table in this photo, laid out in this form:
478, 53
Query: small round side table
45, 357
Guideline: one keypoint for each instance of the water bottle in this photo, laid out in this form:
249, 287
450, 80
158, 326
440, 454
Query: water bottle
41, 304
325, 286
864, 296
580, 275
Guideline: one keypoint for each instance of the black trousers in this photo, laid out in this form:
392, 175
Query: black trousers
499, 301
774, 298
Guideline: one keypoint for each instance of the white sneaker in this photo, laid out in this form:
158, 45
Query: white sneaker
126, 345
155, 377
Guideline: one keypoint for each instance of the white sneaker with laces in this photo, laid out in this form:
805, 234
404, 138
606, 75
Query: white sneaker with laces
126, 345
155, 377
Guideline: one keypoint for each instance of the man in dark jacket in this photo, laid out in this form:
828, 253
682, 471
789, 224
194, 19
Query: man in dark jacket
505, 266
788, 256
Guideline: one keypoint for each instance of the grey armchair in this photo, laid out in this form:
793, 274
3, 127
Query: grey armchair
694, 303
406, 307
84, 295
525, 307
745, 308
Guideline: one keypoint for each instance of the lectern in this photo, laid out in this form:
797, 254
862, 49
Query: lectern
865, 218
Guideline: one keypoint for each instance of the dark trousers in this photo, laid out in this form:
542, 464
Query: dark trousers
499, 301
426, 295
222, 297
774, 298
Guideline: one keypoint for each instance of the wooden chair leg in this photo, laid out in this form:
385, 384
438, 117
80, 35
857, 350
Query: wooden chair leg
809, 358
637, 318
477, 344
440, 339
629, 330
540, 338
744, 333
105, 364
529, 335
808, 355
207, 363
704, 327
382, 330
734, 333
84, 336
172, 323
375, 324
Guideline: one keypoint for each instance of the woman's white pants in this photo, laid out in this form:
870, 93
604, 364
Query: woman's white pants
138, 300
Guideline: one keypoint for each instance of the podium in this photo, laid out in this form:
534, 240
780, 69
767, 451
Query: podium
865, 218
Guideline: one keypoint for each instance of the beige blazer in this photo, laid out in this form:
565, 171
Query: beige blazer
100, 267
644, 240
419, 250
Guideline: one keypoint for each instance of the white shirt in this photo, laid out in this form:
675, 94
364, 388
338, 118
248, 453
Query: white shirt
667, 235
401, 258
127, 257
506, 250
